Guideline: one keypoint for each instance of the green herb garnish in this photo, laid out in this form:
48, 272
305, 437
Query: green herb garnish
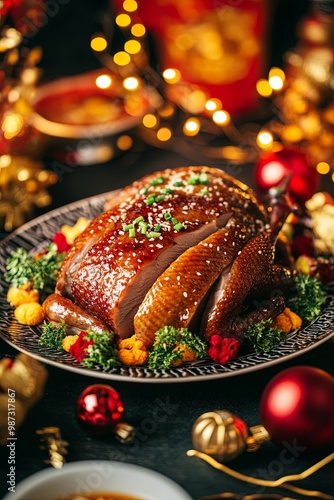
150, 199
157, 180
153, 234
178, 226
101, 352
165, 349
263, 336
41, 272
52, 335
309, 297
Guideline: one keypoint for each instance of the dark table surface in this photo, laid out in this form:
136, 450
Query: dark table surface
160, 445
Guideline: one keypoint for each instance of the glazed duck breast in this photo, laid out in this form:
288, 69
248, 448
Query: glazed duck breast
117, 260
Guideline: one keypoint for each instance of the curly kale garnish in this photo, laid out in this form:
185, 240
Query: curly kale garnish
53, 335
309, 297
263, 336
101, 351
40, 271
167, 349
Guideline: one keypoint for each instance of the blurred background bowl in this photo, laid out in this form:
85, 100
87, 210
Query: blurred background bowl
88, 118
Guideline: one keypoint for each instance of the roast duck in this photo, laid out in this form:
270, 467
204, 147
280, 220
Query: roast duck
187, 247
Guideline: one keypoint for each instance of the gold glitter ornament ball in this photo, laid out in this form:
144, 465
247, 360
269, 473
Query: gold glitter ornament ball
220, 434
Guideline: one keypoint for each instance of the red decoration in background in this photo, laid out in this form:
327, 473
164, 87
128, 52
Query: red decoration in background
203, 40
272, 167
28, 17
99, 409
297, 407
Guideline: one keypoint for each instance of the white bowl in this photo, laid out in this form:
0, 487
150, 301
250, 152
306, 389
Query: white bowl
97, 476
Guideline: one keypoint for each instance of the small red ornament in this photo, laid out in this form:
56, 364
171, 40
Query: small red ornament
297, 407
99, 409
272, 167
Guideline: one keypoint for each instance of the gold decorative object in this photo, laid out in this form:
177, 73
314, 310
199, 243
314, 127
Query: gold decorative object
254, 496
22, 382
54, 444
23, 180
321, 210
124, 433
23, 186
225, 436
281, 482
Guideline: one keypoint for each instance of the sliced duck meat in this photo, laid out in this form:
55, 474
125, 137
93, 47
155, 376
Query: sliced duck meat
178, 293
119, 269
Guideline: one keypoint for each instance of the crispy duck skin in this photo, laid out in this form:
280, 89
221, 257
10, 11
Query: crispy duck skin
252, 275
250, 271
108, 272
58, 308
233, 194
120, 276
177, 294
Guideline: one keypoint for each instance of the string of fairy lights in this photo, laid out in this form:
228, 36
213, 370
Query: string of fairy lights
183, 116
203, 117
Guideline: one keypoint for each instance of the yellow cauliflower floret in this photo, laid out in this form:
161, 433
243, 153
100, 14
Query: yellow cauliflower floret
71, 232
132, 352
187, 354
22, 295
29, 314
287, 321
68, 341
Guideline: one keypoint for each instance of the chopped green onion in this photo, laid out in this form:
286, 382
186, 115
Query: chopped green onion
204, 178
193, 180
157, 227
159, 198
167, 216
157, 180
150, 199
138, 219
178, 226
132, 232
166, 191
204, 192
178, 183
143, 227
153, 234
144, 190
127, 227
174, 221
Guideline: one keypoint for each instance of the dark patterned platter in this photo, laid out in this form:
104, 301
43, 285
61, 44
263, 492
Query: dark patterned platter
36, 234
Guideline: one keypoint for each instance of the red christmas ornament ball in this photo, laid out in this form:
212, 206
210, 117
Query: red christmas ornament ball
272, 167
297, 407
99, 409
